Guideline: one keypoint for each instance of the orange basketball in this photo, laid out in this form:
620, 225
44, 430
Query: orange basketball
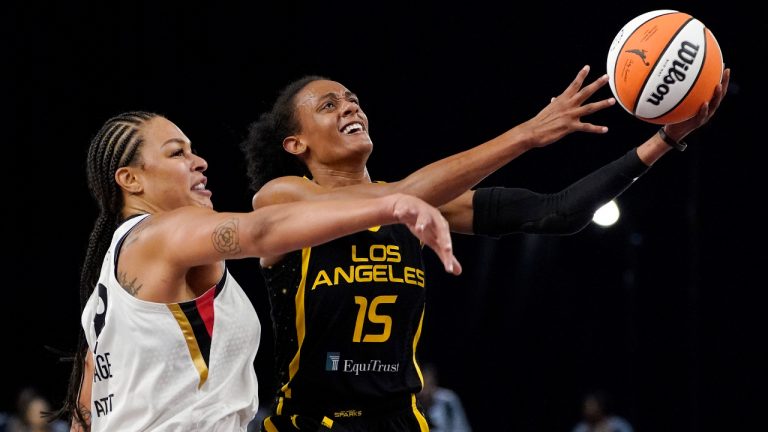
662, 65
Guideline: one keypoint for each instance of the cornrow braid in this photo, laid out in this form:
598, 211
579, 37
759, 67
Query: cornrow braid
116, 145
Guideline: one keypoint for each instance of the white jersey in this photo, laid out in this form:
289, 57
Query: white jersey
170, 367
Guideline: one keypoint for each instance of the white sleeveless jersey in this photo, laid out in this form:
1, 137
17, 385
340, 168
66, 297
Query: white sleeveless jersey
170, 367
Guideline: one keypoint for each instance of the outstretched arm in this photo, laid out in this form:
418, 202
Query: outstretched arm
499, 211
193, 236
446, 179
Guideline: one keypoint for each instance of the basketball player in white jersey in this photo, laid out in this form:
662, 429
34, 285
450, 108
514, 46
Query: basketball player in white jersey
171, 336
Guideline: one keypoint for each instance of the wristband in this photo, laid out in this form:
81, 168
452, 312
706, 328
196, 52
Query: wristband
677, 145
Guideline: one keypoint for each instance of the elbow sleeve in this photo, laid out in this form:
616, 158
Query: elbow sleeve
499, 211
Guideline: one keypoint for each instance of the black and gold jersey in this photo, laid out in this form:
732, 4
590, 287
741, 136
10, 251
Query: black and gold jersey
347, 316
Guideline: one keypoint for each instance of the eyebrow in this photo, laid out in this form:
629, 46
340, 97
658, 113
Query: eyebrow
175, 140
331, 95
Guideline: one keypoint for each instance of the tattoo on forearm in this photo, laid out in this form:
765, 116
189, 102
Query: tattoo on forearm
225, 237
132, 286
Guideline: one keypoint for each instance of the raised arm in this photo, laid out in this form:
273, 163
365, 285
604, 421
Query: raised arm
498, 211
446, 179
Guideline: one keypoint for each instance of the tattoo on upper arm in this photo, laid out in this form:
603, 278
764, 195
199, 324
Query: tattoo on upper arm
226, 237
132, 286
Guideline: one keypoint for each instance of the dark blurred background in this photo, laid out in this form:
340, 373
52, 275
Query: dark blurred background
664, 310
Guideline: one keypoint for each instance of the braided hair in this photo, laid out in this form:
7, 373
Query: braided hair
264, 154
116, 145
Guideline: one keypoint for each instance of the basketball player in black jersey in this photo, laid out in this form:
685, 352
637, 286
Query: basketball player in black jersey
347, 314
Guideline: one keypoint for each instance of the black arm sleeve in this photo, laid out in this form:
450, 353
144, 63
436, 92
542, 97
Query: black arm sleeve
499, 211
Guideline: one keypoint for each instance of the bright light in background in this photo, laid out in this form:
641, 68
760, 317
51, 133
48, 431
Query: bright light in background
606, 215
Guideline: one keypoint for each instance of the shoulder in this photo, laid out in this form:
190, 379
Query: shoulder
156, 230
172, 220
285, 189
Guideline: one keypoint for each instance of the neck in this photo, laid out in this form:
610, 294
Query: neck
137, 206
333, 178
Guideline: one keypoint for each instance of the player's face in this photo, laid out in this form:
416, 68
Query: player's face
333, 126
170, 174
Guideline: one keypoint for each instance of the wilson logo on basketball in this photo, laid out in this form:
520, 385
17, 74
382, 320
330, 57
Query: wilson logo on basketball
685, 57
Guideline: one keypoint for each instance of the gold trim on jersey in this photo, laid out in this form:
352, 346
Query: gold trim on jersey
189, 337
416, 342
419, 417
300, 319
268, 425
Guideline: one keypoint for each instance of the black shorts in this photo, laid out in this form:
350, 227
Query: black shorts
403, 419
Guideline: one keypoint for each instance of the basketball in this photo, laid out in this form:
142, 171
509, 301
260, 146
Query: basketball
663, 65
